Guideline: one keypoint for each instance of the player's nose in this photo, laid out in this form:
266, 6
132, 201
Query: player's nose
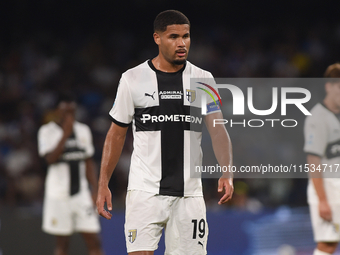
180, 42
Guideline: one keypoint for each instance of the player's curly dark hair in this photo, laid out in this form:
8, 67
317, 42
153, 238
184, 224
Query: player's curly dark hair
65, 96
169, 17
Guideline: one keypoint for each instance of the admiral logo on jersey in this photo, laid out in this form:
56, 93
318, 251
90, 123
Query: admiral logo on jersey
171, 94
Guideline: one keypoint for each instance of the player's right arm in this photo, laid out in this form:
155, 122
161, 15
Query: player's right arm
67, 126
122, 114
113, 146
316, 177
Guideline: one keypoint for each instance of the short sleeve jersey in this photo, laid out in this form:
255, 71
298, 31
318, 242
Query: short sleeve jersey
167, 127
322, 138
67, 176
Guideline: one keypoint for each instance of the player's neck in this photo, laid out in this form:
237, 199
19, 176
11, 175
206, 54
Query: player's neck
331, 105
163, 65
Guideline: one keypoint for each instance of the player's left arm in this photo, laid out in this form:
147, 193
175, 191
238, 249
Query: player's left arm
223, 151
92, 178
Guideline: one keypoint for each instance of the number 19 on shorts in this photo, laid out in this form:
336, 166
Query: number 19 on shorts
198, 226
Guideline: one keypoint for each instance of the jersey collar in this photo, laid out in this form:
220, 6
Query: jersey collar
165, 73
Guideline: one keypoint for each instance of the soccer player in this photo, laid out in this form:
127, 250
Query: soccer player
156, 97
67, 147
322, 143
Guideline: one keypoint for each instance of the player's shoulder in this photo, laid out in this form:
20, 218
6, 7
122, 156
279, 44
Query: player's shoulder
319, 111
48, 126
48, 130
196, 71
319, 115
81, 126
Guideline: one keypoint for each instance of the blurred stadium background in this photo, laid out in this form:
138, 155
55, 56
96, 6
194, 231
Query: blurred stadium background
49, 45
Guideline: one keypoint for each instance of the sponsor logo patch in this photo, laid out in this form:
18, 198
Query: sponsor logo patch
171, 94
149, 95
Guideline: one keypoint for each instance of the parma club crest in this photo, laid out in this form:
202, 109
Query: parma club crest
132, 235
191, 95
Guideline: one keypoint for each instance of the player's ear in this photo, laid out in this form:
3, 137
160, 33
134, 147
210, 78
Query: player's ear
157, 38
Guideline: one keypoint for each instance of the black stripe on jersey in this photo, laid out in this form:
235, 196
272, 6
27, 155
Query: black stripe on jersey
75, 178
72, 155
172, 137
171, 117
333, 150
121, 124
172, 132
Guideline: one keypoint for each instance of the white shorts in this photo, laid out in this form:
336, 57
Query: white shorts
183, 220
74, 214
325, 231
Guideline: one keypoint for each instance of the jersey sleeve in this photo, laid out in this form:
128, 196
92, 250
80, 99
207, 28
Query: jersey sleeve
45, 142
213, 99
123, 110
315, 132
89, 148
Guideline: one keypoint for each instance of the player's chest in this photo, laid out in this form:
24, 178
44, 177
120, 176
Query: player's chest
165, 91
161, 91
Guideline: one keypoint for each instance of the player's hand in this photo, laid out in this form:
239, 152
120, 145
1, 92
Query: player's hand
227, 185
67, 125
325, 211
104, 195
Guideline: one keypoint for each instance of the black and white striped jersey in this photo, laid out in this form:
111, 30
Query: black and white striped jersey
322, 134
67, 176
322, 138
167, 127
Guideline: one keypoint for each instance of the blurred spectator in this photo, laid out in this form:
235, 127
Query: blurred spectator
23, 184
241, 199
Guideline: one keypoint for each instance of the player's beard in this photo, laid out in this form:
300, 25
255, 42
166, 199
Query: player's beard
178, 61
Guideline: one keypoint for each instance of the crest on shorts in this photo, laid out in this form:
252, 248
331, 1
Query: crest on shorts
132, 235
336, 227
54, 221
191, 95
